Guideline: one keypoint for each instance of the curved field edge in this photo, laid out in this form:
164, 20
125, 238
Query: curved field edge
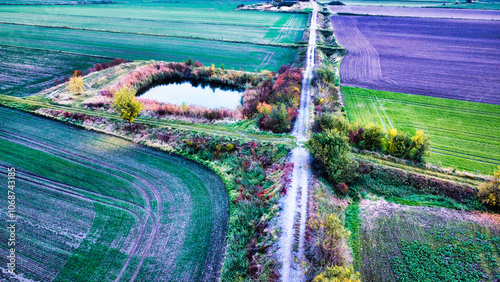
463, 134
187, 257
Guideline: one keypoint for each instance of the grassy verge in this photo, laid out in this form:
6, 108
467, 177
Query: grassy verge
29, 105
352, 223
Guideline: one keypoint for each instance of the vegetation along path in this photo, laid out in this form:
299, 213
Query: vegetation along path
97, 207
294, 213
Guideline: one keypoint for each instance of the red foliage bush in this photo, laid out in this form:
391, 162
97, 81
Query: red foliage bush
342, 188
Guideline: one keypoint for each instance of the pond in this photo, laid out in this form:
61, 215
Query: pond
195, 94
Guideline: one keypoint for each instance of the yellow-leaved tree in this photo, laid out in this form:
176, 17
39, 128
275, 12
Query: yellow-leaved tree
75, 84
489, 192
126, 105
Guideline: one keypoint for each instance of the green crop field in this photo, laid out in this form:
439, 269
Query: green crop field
95, 207
411, 243
28, 71
464, 135
210, 32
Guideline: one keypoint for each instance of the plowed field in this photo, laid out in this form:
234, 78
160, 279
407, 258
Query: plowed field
447, 58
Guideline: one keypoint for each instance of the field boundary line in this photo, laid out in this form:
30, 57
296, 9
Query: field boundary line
282, 45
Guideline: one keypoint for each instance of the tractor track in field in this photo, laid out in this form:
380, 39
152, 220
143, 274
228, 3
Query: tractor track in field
63, 154
71, 190
462, 155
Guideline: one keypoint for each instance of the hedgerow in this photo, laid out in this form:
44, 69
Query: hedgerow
372, 137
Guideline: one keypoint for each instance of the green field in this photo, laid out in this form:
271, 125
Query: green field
28, 71
95, 207
410, 243
205, 31
32, 37
464, 135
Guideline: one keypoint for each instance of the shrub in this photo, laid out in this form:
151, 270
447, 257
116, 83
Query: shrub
399, 144
329, 121
277, 121
338, 274
325, 74
332, 149
489, 192
373, 137
342, 188
420, 146
264, 108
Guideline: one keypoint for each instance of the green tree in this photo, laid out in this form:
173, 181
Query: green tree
373, 137
332, 149
126, 105
420, 146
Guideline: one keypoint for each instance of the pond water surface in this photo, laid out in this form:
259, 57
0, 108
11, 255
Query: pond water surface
203, 95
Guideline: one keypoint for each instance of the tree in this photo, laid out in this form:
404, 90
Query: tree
126, 105
373, 137
330, 121
399, 144
332, 149
489, 192
75, 84
420, 146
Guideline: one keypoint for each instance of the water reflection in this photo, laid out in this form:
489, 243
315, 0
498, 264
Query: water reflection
203, 95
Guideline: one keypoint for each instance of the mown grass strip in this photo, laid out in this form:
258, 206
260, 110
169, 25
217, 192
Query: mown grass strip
15, 102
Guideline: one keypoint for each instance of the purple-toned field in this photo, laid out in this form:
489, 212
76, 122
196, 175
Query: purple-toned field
456, 59
418, 12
